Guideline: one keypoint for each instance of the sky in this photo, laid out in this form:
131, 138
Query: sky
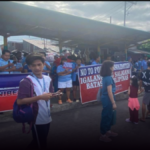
138, 14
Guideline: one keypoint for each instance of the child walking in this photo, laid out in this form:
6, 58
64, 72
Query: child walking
133, 102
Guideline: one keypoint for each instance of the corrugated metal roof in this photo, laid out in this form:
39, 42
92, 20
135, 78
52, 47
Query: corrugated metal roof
28, 20
40, 44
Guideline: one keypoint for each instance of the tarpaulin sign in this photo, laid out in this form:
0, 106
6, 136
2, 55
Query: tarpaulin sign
9, 85
90, 80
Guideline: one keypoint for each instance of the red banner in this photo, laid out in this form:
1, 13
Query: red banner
90, 80
9, 85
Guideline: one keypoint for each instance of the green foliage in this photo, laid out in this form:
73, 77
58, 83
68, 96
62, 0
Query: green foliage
145, 46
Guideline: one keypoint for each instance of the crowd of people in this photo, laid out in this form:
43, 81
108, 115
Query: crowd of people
65, 79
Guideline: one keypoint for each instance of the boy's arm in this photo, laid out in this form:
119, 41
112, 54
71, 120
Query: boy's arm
24, 94
28, 100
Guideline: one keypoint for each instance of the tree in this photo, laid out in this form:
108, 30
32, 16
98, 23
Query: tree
145, 46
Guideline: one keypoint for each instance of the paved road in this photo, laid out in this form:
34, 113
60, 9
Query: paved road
79, 128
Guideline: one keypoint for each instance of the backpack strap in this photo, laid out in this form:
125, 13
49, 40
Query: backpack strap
31, 105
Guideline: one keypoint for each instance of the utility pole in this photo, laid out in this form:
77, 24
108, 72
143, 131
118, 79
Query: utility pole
125, 10
110, 19
124, 13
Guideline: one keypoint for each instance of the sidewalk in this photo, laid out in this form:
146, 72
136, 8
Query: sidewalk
7, 116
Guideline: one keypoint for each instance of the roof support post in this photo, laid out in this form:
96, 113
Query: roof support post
99, 51
126, 53
5, 42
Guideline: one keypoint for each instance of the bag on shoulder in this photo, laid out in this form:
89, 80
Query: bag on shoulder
24, 113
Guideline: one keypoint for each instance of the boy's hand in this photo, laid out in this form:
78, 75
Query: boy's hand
46, 96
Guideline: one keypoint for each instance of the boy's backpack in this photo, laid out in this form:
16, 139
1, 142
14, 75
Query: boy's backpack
24, 113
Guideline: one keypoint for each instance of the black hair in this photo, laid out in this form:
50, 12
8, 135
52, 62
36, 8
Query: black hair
26, 54
148, 63
95, 56
105, 69
63, 58
78, 58
134, 81
34, 56
5, 51
108, 56
43, 53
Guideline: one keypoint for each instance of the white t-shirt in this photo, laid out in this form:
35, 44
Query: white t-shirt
43, 116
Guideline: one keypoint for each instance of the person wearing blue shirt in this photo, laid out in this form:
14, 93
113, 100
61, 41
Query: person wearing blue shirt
64, 80
6, 65
75, 79
139, 64
23, 61
144, 63
26, 69
108, 114
47, 66
18, 66
96, 60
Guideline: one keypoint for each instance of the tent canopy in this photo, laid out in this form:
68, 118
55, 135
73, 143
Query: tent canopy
19, 19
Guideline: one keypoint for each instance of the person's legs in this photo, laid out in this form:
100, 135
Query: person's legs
143, 112
68, 89
33, 144
107, 114
135, 116
60, 97
131, 115
68, 93
42, 131
74, 92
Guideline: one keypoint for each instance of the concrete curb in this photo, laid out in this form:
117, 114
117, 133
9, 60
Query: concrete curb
56, 108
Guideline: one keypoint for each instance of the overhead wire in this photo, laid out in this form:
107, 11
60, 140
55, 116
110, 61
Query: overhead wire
111, 10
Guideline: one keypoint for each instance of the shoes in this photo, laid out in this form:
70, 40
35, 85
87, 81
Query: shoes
77, 101
74, 100
69, 101
60, 102
128, 120
111, 134
105, 139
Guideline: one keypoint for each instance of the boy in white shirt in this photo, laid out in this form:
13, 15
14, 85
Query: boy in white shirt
40, 100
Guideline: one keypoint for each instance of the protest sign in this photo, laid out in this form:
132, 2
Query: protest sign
67, 65
90, 80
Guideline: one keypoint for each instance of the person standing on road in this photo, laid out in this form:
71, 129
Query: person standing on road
108, 101
145, 81
41, 99
133, 102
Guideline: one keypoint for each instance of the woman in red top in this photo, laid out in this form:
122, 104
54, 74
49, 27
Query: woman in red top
133, 102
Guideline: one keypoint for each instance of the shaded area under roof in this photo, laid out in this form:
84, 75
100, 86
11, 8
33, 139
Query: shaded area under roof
20, 19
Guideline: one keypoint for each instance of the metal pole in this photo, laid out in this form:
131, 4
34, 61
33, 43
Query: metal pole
110, 19
124, 13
